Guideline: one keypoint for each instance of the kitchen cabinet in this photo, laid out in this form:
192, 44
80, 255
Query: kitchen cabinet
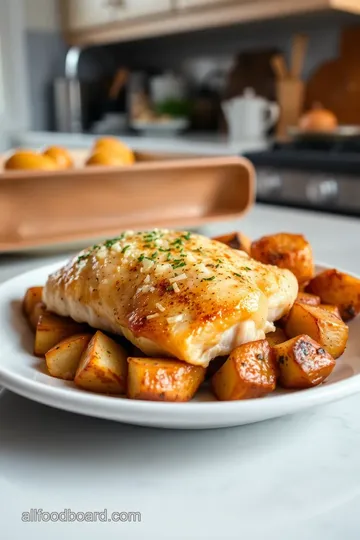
95, 22
183, 4
131, 9
83, 14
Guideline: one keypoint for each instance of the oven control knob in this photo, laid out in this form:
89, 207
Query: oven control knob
268, 183
325, 191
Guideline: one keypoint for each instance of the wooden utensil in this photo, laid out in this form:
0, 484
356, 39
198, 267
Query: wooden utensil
279, 66
298, 52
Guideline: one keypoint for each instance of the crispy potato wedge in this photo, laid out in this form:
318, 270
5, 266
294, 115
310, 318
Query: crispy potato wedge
63, 360
339, 289
307, 298
302, 362
274, 338
332, 309
321, 325
103, 366
39, 309
163, 379
32, 297
285, 250
249, 372
236, 240
51, 329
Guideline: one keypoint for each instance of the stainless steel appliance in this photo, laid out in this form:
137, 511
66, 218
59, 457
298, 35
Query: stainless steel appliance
322, 176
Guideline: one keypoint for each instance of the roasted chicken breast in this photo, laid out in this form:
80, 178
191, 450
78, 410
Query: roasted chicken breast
172, 293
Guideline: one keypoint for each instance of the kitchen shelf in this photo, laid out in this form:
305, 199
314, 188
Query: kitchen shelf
200, 17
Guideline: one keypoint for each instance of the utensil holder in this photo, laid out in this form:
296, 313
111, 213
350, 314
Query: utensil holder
290, 97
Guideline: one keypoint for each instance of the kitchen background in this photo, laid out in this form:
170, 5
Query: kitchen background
194, 72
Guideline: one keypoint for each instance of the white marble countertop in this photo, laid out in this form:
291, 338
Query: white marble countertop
293, 478
196, 144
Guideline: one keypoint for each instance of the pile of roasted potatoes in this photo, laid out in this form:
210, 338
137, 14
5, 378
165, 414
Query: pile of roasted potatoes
301, 353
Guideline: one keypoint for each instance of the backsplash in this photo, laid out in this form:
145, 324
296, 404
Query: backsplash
194, 54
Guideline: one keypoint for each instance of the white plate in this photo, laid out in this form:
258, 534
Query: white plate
26, 375
168, 128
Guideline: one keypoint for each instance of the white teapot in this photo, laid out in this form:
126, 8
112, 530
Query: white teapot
249, 116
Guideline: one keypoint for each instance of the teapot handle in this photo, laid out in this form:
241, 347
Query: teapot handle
273, 110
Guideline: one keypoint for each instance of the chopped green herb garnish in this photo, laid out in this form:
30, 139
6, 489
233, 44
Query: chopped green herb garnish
124, 249
208, 278
154, 255
168, 256
246, 268
237, 275
178, 265
110, 243
164, 250
178, 242
186, 236
219, 261
83, 257
142, 257
169, 288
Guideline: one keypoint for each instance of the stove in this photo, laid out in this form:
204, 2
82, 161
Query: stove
321, 175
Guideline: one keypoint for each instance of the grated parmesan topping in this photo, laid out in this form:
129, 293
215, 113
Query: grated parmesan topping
181, 277
160, 307
152, 316
147, 279
176, 287
176, 318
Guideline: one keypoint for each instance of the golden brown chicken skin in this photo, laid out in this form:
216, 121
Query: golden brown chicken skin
172, 293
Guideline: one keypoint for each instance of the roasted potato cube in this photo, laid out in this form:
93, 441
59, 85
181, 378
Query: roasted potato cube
333, 309
339, 289
32, 297
249, 372
274, 338
51, 329
307, 298
302, 362
235, 240
163, 379
103, 366
285, 250
63, 360
321, 325
39, 309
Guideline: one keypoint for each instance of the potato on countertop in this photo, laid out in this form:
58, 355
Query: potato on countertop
286, 250
249, 372
63, 359
321, 325
103, 366
302, 362
32, 297
163, 379
339, 289
236, 240
51, 329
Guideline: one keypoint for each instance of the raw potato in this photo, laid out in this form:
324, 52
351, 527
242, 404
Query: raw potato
309, 299
51, 329
333, 309
103, 366
249, 372
39, 309
339, 289
274, 338
63, 360
321, 325
302, 362
285, 250
236, 240
32, 297
163, 379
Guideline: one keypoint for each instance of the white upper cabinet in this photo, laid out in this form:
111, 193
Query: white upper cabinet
182, 4
132, 9
83, 14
